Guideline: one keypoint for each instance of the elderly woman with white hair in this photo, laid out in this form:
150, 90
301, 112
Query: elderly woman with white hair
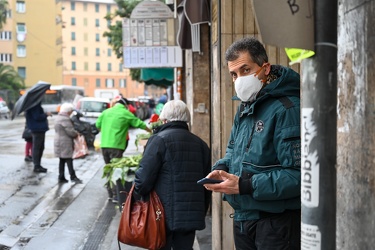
64, 142
173, 161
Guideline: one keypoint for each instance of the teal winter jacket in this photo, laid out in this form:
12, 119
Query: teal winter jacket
264, 149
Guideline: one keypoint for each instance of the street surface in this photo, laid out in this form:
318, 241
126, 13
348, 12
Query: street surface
31, 204
38, 213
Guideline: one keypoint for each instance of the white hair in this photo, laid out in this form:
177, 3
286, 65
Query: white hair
66, 107
175, 110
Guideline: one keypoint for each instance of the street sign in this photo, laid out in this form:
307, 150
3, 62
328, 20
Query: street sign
148, 37
152, 57
151, 9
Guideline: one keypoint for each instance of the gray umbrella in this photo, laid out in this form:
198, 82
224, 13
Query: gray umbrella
32, 97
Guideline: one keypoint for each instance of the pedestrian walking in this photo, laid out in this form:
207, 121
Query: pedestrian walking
64, 142
114, 124
261, 168
173, 161
37, 122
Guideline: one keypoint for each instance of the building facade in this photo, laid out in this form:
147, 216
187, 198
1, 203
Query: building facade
31, 42
6, 42
89, 60
62, 42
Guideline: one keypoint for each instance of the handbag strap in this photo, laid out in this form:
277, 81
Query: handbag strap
130, 194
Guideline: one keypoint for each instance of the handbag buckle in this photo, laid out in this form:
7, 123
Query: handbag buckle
158, 214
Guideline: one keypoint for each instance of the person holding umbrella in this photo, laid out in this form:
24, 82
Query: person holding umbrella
36, 119
37, 122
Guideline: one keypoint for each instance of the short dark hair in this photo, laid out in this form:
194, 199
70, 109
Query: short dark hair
247, 44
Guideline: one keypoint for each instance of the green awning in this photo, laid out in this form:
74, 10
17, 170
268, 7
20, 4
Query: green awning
162, 77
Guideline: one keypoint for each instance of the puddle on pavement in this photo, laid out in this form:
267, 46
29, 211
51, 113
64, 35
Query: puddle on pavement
24, 240
26, 194
33, 182
2, 247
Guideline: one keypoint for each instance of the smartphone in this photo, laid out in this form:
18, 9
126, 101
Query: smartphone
208, 181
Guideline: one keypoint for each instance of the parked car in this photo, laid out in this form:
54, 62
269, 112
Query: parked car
4, 110
92, 107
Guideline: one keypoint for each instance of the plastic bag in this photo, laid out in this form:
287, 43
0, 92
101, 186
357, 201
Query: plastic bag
80, 147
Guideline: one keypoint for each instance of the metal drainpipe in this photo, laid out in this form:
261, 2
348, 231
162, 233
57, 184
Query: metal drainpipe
318, 133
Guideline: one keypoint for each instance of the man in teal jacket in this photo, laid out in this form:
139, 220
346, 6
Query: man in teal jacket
261, 168
114, 124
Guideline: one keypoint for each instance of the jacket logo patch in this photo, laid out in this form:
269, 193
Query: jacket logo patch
259, 126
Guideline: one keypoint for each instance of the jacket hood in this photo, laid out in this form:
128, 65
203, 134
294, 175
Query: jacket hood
286, 83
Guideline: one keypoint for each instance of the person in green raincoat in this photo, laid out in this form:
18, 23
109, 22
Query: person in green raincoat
114, 124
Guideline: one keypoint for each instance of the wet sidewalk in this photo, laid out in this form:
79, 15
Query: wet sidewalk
37, 213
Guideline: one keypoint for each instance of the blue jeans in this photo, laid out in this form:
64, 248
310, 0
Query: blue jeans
271, 232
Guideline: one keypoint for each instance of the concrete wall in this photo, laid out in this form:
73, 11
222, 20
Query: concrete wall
198, 78
355, 126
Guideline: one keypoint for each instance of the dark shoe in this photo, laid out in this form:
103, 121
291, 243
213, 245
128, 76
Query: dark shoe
75, 179
63, 180
40, 169
114, 200
28, 158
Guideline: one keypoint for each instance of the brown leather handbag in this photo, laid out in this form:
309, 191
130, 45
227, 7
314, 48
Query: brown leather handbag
142, 223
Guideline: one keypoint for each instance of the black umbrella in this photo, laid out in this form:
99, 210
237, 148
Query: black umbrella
31, 98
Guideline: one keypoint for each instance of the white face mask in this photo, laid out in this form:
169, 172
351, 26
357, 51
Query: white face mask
247, 87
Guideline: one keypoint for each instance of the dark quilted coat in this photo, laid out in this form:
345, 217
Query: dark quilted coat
173, 160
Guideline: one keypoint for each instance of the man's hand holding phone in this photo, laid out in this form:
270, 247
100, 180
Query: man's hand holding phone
225, 183
208, 181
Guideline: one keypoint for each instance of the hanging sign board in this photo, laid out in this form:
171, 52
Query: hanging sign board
151, 9
291, 25
145, 32
146, 37
152, 57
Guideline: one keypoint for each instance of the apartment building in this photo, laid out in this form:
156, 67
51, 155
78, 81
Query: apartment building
89, 60
31, 40
62, 42
6, 43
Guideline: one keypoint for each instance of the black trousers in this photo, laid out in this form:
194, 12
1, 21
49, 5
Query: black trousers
179, 240
69, 162
38, 147
271, 232
108, 155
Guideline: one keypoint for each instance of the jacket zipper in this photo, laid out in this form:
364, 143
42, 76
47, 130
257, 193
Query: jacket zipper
251, 137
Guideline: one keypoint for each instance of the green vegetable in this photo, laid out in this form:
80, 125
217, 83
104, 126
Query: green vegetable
121, 168
141, 137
